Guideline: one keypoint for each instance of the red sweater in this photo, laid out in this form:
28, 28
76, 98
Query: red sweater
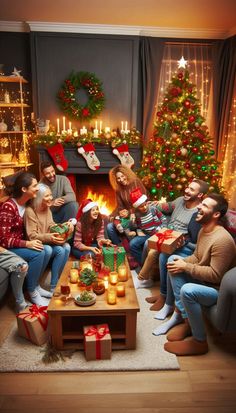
11, 226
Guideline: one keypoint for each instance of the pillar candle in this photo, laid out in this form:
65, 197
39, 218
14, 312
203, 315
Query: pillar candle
58, 126
100, 126
64, 123
113, 277
73, 275
122, 272
111, 296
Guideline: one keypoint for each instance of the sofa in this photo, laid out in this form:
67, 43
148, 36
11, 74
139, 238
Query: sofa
4, 281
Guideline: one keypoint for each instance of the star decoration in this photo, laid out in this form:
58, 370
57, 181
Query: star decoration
182, 63
16, 72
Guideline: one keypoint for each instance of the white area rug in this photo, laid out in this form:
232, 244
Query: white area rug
18, 354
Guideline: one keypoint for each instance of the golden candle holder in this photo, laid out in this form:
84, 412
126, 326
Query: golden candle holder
113, 277
74, 275
120, 290
111, 295
122, 273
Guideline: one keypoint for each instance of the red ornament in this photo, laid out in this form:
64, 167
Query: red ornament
158, 185
178, 152
167, 150
195, 150
180, 76
170, 187
191, 119
187, 165
187, 103
163, 169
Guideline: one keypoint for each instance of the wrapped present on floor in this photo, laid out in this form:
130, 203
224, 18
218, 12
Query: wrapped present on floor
165, 240
33, 324
113, 257
97, 342
63, 230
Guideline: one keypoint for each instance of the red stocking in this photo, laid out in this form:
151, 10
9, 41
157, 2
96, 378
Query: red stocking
57, 154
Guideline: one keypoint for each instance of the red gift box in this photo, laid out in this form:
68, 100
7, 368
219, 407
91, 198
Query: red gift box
33, 324
97, 342
165, 240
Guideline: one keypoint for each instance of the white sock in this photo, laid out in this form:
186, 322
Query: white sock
164, 312
43, 293
175, 319
36, 298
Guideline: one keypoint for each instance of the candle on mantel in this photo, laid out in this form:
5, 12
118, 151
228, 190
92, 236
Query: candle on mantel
126, 126
111, 296
83, 131
95, 133
122, 272
64, 123
113, 277
120, 290
107, 129
100, 126
122, 126
70, 129
58, 126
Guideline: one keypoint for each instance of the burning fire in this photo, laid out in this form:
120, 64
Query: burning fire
104, 208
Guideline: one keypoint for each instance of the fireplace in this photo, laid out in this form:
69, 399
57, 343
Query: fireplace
97, 181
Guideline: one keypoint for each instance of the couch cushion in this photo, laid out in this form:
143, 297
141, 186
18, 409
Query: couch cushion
230, 222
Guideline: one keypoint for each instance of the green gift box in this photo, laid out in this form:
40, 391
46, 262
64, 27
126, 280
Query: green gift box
113, 257
62, 230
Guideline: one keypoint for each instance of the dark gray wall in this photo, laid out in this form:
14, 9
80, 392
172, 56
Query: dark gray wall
113, 59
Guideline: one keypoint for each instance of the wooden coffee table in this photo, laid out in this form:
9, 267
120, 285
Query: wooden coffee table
67, 320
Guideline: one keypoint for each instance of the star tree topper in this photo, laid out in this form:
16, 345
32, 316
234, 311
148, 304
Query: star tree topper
182, 63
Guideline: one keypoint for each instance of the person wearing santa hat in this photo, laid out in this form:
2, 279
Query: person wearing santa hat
148, 219
89, 233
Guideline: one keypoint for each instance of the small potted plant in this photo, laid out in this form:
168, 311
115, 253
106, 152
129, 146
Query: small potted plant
87, 277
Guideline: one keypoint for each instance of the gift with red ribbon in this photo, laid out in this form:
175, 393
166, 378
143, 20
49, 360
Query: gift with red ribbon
165, 240
113, 256
97, 342
33, 324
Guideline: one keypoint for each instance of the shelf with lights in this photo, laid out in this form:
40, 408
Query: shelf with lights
13, 131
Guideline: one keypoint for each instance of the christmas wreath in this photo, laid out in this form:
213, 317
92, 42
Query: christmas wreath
69, 103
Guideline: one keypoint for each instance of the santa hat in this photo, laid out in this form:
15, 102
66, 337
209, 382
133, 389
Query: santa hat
88, 147
85, 206
137, 197
121, 149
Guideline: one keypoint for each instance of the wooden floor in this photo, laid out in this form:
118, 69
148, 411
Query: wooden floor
204, 384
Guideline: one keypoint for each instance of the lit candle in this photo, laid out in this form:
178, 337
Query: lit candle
96, 124
73, 275
83, 131
111, 296
105, 282
58, 126
100, 128
70, 126
122, 126
107, 129
64, 123
122, 272
120, 290
113, 277
95, 133
85, 264
76, 134
126, 126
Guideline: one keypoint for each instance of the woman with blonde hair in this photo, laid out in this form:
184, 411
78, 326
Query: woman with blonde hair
123, 180
38, 221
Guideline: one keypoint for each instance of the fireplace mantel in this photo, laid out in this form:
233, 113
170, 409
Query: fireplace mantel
78, 165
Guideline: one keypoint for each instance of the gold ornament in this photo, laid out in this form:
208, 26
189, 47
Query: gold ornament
174, 135
179, 187
189, 174
183, 180
160, 174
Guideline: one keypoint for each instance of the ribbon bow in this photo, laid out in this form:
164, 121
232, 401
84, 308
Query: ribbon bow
99, 333
163, 236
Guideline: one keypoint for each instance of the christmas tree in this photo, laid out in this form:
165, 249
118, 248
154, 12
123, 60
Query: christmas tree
180, 148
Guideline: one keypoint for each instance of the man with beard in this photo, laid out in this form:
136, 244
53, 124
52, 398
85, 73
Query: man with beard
195, 279
182, 210
64, 205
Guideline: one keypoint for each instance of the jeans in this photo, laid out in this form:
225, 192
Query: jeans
112, 234
37, 261
58, 254
193, 296
65, 212
17, 268
136, 247
78, 253
184, 251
